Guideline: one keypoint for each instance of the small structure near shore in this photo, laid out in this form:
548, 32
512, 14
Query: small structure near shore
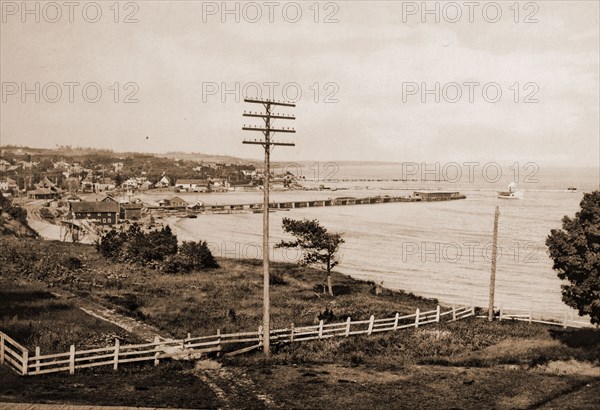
428, 196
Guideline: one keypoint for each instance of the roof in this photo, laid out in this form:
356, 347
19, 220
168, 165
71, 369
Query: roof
436, 192
132, 206
45, 191
106, 206
191, 181
177, 199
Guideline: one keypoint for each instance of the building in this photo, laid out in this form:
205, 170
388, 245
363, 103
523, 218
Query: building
8, 184
438, 195
45, 183
130, 184
131, 211
164, 182
194, 185
103, 212
175, 202
87, 186
4, 165
72, 198
44, 193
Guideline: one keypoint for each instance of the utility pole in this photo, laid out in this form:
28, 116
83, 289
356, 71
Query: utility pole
493, 272
268, 145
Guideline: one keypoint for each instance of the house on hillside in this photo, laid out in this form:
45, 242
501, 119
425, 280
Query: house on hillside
130, 184
118, 166
8, 184
87, 186
193, 185
164, 182
144, 186
45, 183
103, 212
4, 165
219, 184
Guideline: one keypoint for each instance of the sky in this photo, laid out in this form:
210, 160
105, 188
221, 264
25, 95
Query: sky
512, 83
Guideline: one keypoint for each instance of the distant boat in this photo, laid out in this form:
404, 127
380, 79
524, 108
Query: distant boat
511, 193
572, 188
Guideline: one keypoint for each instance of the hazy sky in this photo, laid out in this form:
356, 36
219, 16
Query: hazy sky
362, 78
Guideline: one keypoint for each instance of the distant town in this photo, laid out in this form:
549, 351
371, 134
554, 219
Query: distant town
65, 185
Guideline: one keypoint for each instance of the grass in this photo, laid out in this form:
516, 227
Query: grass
35, 317
465, 364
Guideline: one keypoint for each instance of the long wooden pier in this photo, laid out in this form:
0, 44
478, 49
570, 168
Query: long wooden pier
288, 205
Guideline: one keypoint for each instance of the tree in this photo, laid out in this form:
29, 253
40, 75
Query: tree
119, 179
575, 250
319, 247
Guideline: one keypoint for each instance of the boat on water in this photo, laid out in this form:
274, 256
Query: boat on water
572, 189
511, 193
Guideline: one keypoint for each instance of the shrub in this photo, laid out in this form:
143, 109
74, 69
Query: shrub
136, 246
191, 256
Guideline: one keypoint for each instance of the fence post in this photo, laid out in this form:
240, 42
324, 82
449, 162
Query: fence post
472, 310
501, 312
396, 321
417, 317
320, 329
453, 313
1, 348
219, 338
530, 312
37, 360
260, 335
371, 323
157, 348
116, 358
72, 360
437, 314
25, 363
565, 321
348, 321
292, 332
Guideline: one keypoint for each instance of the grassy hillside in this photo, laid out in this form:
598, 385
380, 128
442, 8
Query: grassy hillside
13, 220
465, 364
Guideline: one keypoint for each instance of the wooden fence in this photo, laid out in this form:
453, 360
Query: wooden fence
13, 354
528, 315
18, 358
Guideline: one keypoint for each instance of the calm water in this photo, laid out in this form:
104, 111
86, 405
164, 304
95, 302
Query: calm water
440, 250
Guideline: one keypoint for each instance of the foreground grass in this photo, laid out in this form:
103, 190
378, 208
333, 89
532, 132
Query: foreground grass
35, 317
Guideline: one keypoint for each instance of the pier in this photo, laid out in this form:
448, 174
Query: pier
419, 196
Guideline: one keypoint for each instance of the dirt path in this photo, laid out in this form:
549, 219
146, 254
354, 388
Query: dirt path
233, 388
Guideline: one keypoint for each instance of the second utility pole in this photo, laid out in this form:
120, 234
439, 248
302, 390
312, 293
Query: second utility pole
267, 144
493, 272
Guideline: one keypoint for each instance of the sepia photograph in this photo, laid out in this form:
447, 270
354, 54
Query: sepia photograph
303, 204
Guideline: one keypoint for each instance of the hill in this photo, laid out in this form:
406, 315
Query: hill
470, 363
13, 220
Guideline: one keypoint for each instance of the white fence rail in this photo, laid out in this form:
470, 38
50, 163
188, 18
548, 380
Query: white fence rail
13, 354
529, 315
18, 359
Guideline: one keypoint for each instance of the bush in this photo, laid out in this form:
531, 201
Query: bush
191, 256
157, 248
136, 246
